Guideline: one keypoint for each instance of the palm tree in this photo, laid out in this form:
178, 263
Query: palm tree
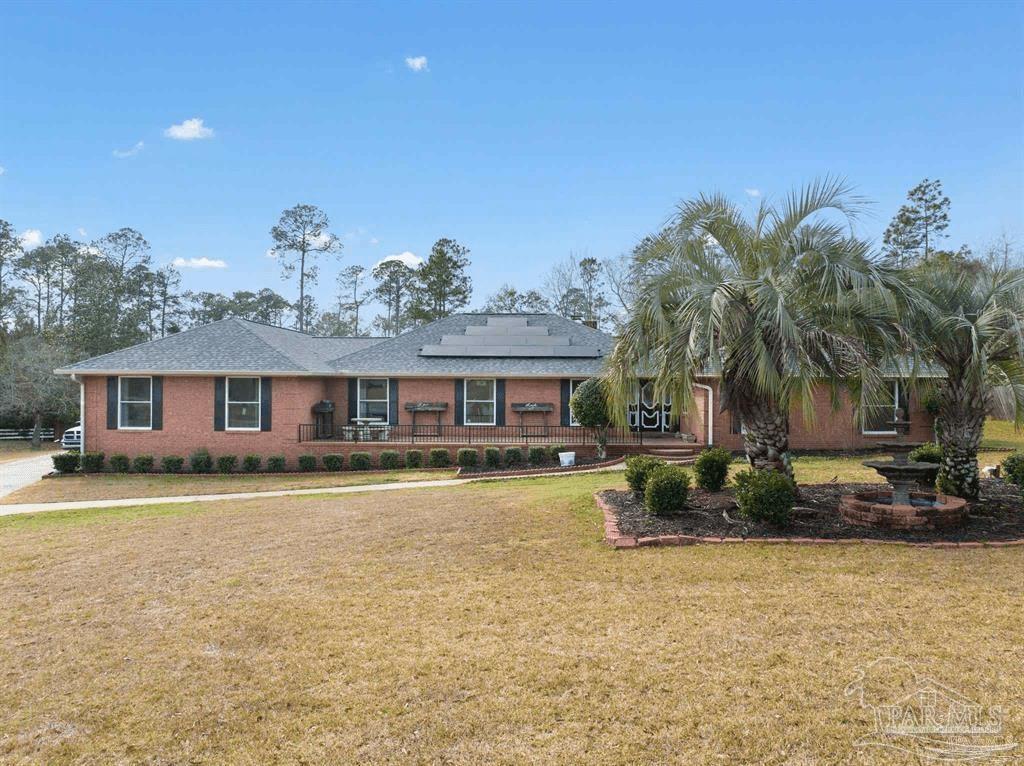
974, 331
775, 305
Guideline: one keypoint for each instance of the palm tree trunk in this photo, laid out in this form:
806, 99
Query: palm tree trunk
960, 425
766, 440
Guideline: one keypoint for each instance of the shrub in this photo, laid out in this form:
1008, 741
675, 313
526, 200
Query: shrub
765, 496
666, 490
492, 457
712, 468
413, 458
93, 462
333, 461
589, 405
66, 462
251, 463
119, 463
553, 451
359, 461
638, 470
389, 460
1013, 468
227, 463
926, 453
307, 463
277, 464
172, 463
200, 461
439, 458
143, 463
467, 457
537, 455
513, 456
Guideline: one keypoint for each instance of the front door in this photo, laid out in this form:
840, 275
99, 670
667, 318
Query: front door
648, 414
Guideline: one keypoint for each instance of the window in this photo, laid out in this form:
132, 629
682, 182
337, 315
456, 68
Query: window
878, 417
479, 402
373, 399
736, 424
243, 404
573, 385
135, 403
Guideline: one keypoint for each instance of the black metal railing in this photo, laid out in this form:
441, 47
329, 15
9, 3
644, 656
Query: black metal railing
424, 433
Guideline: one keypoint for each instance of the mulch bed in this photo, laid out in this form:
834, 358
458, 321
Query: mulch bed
997, 516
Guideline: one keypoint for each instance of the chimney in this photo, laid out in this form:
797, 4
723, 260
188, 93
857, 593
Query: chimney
590, 323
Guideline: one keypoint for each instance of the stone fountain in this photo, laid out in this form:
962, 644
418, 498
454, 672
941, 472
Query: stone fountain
912, 503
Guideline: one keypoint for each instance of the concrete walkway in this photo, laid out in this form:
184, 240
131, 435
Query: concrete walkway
15, 474
132, 502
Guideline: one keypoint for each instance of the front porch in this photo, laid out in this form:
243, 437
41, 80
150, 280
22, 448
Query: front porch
441, 434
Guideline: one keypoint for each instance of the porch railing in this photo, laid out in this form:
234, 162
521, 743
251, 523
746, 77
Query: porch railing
423, 433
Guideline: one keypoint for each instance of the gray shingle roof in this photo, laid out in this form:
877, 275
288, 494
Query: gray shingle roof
230, 345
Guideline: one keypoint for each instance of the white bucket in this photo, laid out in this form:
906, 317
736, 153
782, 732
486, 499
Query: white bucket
567, 458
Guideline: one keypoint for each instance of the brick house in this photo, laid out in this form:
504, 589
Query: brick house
240, 387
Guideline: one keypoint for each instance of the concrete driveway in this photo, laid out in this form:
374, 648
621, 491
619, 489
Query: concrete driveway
15, 474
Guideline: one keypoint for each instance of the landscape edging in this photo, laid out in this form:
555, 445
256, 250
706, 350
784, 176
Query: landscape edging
613, 536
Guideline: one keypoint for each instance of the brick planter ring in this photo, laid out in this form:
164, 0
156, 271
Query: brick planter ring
865, 510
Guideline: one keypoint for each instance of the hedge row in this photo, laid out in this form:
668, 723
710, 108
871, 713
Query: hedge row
201, 461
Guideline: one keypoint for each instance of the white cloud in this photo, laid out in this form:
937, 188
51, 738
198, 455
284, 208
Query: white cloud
753, 192
2, 170
271, 253
416, 63
411, 260
123, 153
374, 241
82, 232
199, 263
30, 238
189, 130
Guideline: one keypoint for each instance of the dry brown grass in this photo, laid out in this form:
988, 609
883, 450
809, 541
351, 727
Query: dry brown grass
112, 486
17, 450
479, 624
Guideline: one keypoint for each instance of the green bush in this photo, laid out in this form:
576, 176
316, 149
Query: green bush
413, 458
467, 457
1013, 468
172, 463
765, 496
389, 460
277, 464
307, 463
666, 490
119, 463
513, 456
252, 463
492, 457
926, 453
333, 461
143, 463
66, 462
712, 468
92, 462
537, 455
360, 461
638, 469
200, 461
553, 451
227, 463
440, 458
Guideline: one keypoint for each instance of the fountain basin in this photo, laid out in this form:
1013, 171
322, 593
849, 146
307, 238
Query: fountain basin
926, 510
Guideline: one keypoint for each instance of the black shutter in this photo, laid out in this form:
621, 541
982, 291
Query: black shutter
565, 412
112, 402
266, 403
460, 399
499, 402
353, 399
218, 403
158, 402
393, 401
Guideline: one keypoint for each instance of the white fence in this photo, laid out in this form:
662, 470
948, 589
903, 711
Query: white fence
12, 434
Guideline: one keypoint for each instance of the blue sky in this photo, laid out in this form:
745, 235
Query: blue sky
532, 130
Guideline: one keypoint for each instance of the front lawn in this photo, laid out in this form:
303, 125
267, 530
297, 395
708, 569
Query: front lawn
18, 449
112, 486
484, 623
